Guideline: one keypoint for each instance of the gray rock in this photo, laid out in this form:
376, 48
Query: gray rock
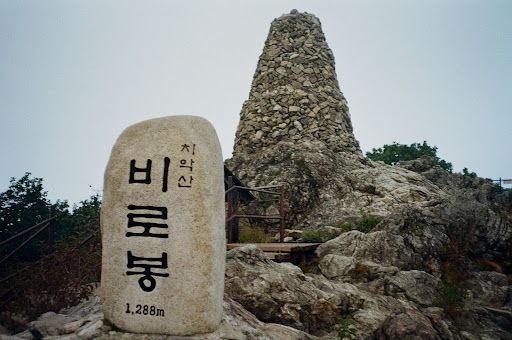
380, 247
90, 330
277, 292
51, 324
408, 325
488, 288
415, 285
336, 266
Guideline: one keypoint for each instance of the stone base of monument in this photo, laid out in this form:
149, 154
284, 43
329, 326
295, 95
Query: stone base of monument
86, 321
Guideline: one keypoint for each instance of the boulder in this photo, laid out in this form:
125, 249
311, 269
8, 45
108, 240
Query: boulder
336, 266
414, 285
488, 289
407, 325
277, 292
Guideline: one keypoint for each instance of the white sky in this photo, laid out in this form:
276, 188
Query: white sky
74, 74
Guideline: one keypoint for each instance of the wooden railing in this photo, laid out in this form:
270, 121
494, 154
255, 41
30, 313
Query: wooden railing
233, 215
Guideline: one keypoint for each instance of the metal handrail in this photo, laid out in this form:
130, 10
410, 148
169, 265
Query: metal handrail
232, 214
27, 230
25, 242
270, 217
84, 242
257, 189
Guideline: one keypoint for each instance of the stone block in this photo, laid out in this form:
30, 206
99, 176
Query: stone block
162, 224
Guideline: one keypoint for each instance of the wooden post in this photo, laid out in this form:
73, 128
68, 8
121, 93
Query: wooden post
281, 213
234, 222
229, 212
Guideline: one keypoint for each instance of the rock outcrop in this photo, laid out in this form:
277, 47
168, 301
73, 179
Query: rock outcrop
365, 292
295, 129
435, 263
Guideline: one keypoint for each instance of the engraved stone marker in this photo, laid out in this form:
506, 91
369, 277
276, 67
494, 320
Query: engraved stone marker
162, 224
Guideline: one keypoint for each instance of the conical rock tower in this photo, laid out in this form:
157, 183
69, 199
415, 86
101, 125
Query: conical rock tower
295, 95
295, 130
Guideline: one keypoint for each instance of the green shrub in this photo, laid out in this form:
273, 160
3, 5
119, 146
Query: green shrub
395, 153
345, 329
466, 173
254, 235
366, 224
345, 226
311, 236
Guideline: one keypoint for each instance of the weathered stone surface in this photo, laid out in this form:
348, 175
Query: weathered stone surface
409, 325
488, 289
26, 335
323, 187
163, 206
415, 285
277, 292
434, 226
380, 246
336, 266
51, 324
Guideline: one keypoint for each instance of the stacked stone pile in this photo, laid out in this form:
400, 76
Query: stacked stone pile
295, 94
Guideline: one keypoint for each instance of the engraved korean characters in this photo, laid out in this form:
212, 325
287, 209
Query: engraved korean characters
162, 224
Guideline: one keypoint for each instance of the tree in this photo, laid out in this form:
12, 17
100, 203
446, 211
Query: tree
25, 204
83, 220
22, 205
394, 153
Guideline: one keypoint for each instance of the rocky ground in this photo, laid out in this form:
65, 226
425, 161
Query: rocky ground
342, 293
85, 321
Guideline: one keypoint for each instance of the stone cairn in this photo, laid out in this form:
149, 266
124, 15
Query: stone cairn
295, 95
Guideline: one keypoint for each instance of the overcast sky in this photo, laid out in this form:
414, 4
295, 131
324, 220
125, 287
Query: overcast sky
74, 74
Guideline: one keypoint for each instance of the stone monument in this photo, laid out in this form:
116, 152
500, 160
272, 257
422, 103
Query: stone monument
162, 224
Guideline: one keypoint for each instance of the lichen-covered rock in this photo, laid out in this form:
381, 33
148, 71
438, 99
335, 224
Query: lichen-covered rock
287, 135
436, 231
